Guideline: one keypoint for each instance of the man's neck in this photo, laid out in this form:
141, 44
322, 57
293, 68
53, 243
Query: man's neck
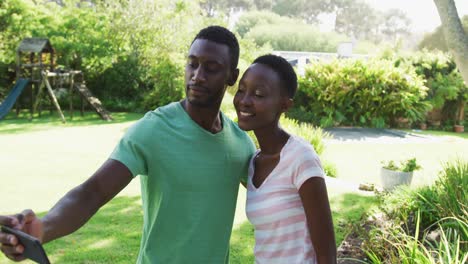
208, 118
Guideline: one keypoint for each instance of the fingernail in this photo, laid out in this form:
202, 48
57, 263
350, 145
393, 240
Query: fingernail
19, 249
11, 239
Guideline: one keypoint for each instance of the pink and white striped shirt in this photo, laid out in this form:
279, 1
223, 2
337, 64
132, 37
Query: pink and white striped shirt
275, 208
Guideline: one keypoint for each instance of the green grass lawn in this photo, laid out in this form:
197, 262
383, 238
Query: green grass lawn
360, 162
43, 159
23, 123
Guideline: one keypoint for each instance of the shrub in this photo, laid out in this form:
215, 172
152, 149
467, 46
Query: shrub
450, 189
118, 45
444, 81
413, 214
394, 245
365, 93
122, 84
330, 169
408, 165
168, 80
313, 135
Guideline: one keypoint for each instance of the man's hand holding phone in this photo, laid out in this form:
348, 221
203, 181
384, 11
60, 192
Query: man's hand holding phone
20, 237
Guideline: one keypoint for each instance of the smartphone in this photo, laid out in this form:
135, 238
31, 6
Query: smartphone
32, 247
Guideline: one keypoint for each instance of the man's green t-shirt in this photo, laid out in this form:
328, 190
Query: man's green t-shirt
189, 184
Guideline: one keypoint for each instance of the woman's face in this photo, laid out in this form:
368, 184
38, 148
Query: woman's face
259, 101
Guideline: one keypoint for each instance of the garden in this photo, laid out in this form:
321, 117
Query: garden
133, 62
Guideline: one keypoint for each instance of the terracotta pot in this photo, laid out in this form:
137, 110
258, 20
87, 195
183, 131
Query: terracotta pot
458, 128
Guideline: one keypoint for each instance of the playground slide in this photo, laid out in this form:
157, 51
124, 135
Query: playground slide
11, 98
93, 101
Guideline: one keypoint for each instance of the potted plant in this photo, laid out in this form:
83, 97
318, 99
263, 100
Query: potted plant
458, 127
393, 174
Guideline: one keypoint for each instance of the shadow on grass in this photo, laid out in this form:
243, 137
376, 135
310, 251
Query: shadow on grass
348, 209
11, 124
111, 236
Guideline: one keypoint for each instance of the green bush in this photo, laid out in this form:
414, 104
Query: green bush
393, 244
412, 214
121, 85
118, 45
447, 91
450, 190
361, 93
408, 165
445, 198
168, 79
330, 169
313, 135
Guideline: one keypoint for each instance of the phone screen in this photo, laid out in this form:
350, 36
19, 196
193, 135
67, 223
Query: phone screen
32, 247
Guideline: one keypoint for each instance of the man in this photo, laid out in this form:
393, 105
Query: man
190, 158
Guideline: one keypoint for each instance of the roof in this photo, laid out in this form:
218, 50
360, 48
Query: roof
35, 45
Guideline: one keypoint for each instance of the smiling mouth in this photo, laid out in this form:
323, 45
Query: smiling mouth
245, 114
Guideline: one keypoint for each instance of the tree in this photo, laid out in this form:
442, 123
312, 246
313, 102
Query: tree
456, 37
305, 9
356, 19
436, 39
395, 24
211, 7
360, 20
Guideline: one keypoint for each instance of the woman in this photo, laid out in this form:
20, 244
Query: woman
287, 200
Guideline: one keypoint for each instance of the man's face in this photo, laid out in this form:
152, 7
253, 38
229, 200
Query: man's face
207, 73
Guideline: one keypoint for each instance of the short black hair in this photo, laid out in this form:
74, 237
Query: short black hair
222, 35
285, 71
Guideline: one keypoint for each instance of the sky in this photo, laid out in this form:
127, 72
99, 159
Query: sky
423, 13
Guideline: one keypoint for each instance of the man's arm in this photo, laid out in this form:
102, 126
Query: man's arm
78, 205
314, 198
71, 212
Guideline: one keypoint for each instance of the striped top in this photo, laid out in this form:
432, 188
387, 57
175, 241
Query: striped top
275, 208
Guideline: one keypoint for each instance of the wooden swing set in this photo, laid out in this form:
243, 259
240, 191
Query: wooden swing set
35, 63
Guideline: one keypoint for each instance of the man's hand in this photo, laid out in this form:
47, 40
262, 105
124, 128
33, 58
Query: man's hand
26, 222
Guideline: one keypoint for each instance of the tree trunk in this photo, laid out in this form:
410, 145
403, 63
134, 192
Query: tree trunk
455, 36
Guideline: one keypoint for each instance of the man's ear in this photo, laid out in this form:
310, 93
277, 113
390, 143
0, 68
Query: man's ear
286, 104
233, 77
